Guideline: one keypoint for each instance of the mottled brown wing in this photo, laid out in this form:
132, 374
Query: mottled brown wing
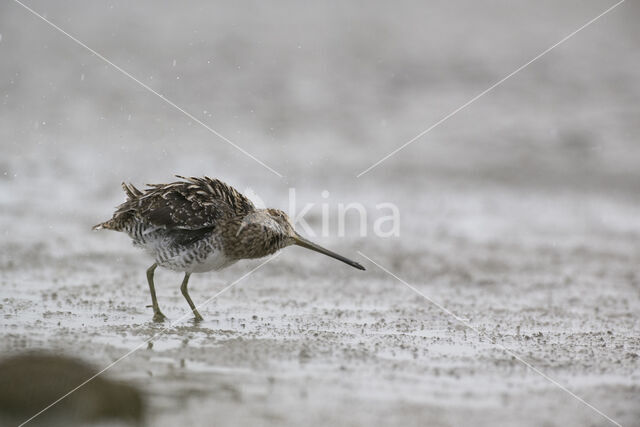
192, 204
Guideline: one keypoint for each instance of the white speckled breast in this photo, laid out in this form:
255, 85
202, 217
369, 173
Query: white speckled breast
206, 254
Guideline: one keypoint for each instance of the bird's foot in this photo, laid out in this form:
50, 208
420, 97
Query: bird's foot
197, 318
159, 317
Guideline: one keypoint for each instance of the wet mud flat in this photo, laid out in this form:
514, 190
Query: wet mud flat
304, 341
520, 215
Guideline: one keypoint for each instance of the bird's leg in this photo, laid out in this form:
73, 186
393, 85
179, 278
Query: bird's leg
157, 314
185, 292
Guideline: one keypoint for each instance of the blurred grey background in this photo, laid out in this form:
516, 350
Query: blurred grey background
304, 86
520, 212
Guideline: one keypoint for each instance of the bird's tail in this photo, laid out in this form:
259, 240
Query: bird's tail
120, 217
103, 225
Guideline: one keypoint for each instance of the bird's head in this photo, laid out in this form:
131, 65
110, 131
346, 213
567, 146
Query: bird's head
293, 238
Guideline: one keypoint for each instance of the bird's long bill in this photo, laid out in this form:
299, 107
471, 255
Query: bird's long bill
301, 241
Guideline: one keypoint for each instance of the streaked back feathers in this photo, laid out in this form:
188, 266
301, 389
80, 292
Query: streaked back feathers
191, 204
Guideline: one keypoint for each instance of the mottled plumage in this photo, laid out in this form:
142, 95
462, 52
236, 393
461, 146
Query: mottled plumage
201, 224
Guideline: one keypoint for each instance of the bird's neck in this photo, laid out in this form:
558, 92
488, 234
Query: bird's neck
246, 239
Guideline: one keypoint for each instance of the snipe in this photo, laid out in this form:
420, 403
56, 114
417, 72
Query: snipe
202, 224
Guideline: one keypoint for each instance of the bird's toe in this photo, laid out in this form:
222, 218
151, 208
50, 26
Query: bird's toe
159, 317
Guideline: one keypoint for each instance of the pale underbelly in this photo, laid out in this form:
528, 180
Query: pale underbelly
199, 257
193, 261
214, 262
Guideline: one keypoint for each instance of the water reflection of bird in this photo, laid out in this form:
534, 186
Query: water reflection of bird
202, 224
